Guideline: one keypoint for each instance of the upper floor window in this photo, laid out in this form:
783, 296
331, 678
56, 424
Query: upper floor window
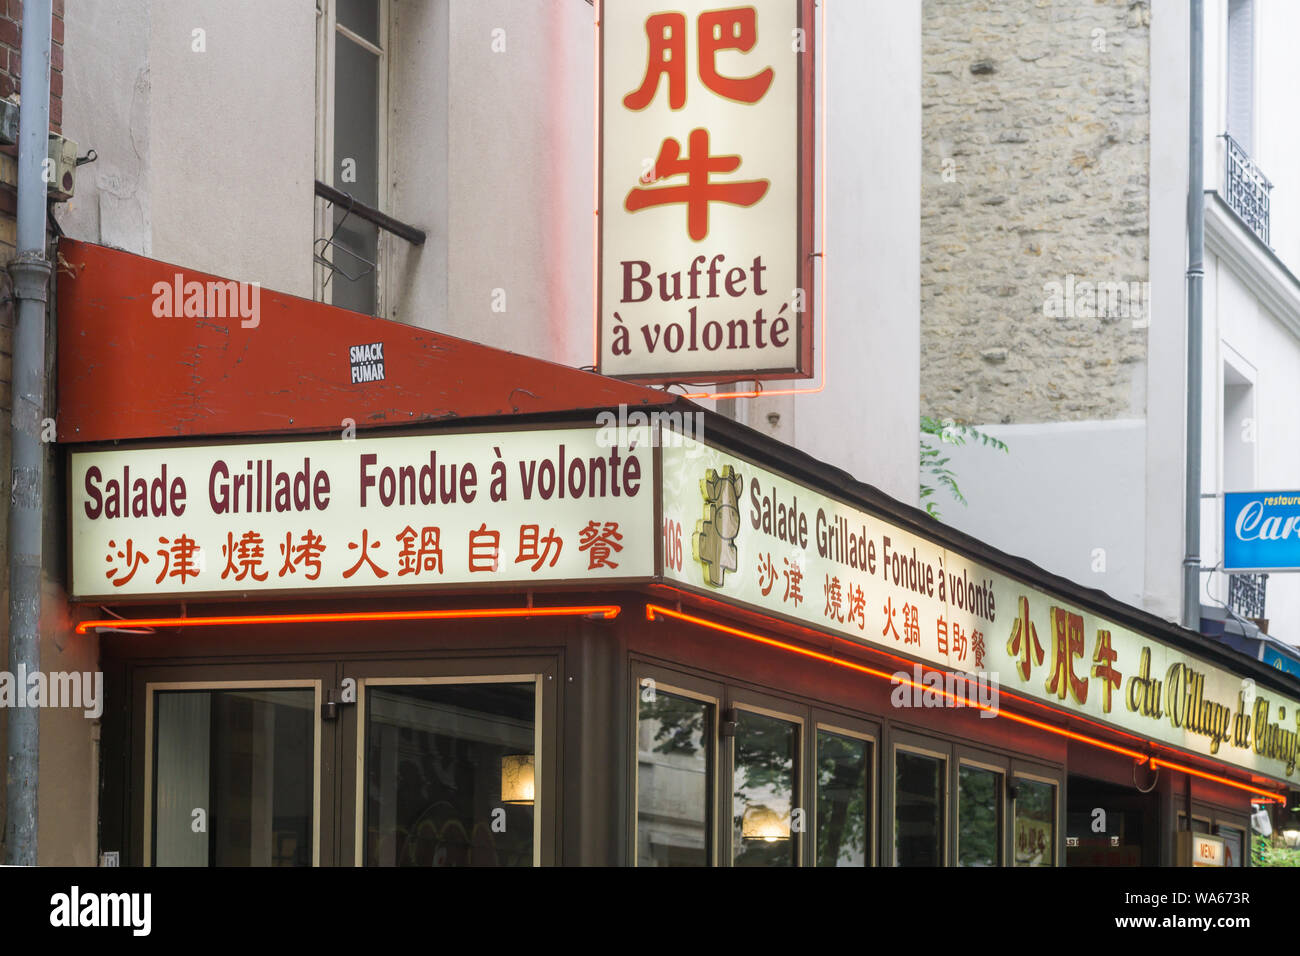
351, 136
1246, 188
1241, 73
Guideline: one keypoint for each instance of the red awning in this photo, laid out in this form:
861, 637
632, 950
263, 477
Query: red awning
138, 360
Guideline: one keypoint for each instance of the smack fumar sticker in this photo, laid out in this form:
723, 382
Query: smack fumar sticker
714, 542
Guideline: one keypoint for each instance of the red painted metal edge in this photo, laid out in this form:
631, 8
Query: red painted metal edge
133, 364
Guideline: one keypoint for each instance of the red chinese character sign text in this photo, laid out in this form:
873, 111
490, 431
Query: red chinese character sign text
705, 267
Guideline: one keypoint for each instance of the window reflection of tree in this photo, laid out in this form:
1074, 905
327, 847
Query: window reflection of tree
764, 771
680, 724
673, 811
918, 810
841, 800
977, 838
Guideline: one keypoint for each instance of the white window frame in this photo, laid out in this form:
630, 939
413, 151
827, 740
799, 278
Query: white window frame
151, 691
327, 30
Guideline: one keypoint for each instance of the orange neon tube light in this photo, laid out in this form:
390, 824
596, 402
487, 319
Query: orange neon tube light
1002, 692
654, 610
606, 611
1183, 768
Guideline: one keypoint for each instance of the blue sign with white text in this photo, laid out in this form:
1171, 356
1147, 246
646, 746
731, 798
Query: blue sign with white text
1280, 661
1261, 531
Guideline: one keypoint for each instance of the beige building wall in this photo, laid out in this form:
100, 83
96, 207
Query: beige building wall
1036, 138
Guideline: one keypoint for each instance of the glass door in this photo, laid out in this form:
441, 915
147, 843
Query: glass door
232, 767
765, 787
449, 765
844, 766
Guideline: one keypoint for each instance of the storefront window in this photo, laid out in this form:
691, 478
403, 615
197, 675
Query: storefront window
1123, 835
233, 777
843, 800
918, 809
674, 757
979, 817
450, 774
764, 788
1234, 845
1035, 837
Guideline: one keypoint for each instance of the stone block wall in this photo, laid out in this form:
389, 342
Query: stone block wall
1034, 209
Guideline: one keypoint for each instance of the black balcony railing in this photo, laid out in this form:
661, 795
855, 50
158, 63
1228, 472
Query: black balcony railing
1246, 187
1246, 594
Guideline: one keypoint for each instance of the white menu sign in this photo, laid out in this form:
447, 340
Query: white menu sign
408, 511
706, 181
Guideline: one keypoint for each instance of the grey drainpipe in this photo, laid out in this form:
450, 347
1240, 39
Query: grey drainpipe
31, 274
1195, 270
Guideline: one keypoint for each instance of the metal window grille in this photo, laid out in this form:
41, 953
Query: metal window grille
1246, 593
1247, 188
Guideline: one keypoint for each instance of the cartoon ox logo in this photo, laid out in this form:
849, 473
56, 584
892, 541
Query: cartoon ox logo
713, 543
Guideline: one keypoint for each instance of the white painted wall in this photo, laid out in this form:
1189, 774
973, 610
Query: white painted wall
1166, 389
1277, 132
1278, 460
1243, 332
521, 128
205, 158
1215, 104
1239, 328
107, 106
492, 153
419, 162
232, 170
1067, 495
1276, 149
866, 419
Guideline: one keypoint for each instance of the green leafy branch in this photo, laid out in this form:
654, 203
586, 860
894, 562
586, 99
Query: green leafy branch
935, 472
1267, 853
